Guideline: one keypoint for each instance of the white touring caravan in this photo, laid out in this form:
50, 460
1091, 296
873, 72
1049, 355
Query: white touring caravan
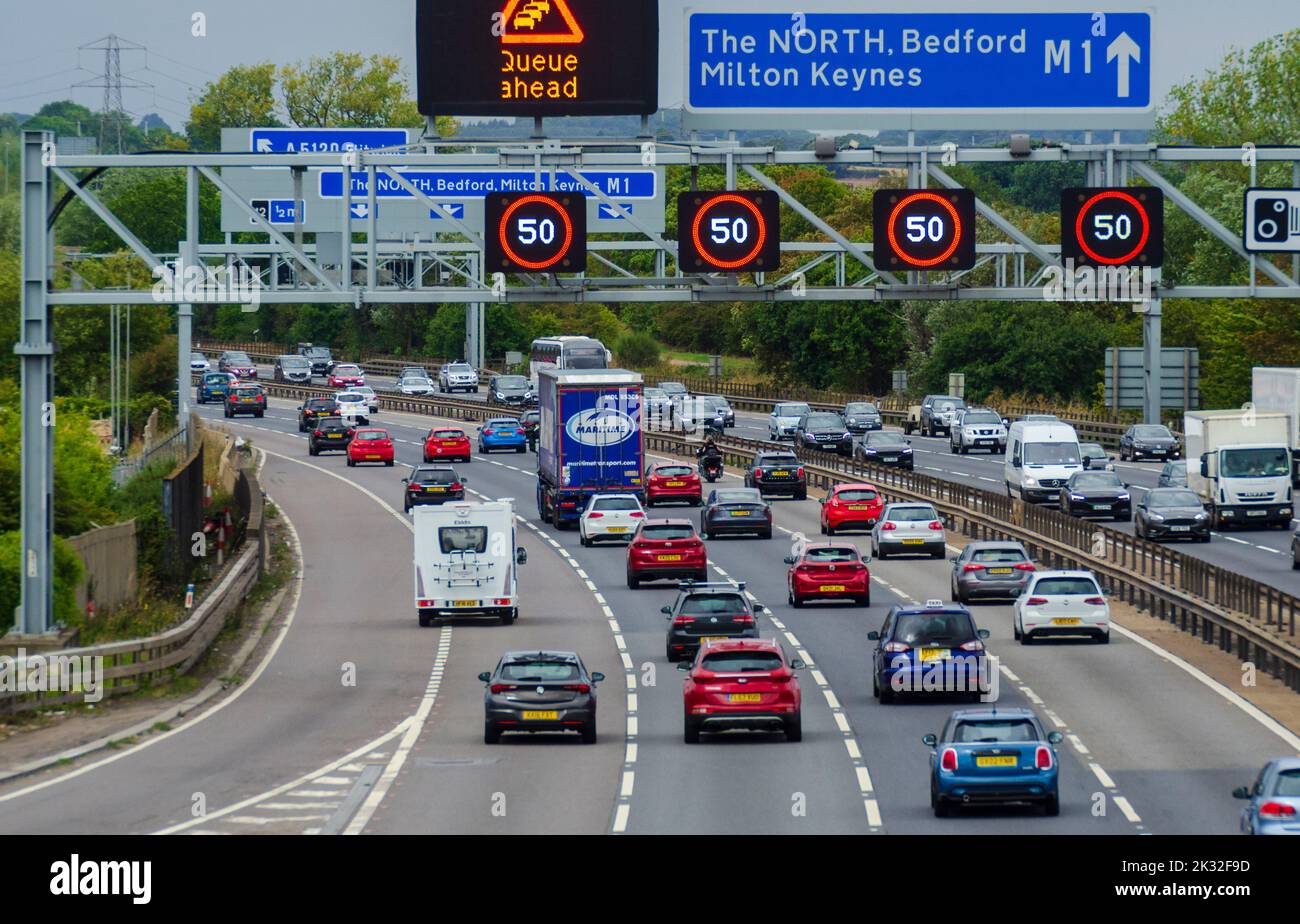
466, 561
1041, 457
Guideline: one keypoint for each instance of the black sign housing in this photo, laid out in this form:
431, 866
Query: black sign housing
923, 229
537, 57
1113, 225
728, 231
535, 233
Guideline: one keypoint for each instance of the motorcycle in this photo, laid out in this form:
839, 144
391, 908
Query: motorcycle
711, 469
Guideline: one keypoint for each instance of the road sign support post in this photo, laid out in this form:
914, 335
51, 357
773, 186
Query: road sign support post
36, 358
1151, 347
185, 311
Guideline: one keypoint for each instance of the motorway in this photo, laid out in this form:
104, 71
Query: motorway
402, 750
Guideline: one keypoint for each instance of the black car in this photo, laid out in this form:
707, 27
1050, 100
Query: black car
1171, 513
237, 363
778, 472
722, 407
1096, 494
292, 369
990, 569
313, 409
708, 611
432, 484
510, 391
823, 430
330, 434
1148, 441
884, 447
322, 361
914, 639
245, 399
861, 416
540, 691
729, 511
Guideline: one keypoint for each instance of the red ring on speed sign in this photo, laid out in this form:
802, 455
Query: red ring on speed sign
758, 223
952, 213
505, 238
1083, 213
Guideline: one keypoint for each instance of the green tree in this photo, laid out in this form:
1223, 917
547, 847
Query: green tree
347, 88
636, 350
243, 97
68, 572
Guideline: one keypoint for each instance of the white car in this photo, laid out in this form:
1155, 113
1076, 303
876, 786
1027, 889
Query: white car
199, 363
353, 406
784, 420
415, 385
977, 428
1061, 603
610, 516
457, 377
372, 399
909, 528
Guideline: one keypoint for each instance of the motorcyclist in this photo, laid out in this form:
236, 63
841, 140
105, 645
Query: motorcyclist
708, 454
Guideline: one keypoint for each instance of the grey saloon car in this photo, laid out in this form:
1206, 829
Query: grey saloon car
990, 569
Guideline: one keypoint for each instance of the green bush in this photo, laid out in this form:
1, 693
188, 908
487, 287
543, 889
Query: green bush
637, 350
141, 499
68, 571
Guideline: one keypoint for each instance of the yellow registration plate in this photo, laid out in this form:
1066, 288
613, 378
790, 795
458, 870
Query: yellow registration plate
668, 558
676, 484
334, 436
744, 697
740, 513
832, 588
713, 638
999, 571
436, 490
781, 474
1009, 761
1065, 621
617, 529
533, 715
449, 444
464, 603
913, 542
859, 506
371, 457
934, 654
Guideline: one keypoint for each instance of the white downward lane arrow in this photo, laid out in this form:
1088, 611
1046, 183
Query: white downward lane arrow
1126, 50
361, 210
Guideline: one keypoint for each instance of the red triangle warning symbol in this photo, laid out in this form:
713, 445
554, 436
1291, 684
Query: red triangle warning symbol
540, 22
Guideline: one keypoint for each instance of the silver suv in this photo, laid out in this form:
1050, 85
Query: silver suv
457, 377
977, 428
908, 528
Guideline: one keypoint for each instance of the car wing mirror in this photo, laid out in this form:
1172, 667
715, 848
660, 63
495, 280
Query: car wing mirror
930, 740
983, 633
521, 556
797, 664
666, 609
866, 559
683, 666
597, 677
1055, 737
789, 559
486, 676
1241, 792
873, 636
954, 558
405, 480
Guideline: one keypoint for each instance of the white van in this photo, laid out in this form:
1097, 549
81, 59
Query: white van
1041, 457
466, 561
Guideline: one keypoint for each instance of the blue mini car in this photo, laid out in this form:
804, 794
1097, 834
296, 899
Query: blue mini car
215, 386
935, 648
1273, 802
502, 433
1000, 756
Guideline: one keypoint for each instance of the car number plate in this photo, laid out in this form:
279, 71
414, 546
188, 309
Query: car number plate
744, 697
1065, 621
934, 654
438, 490
859, 506
534, 715
740, 513
713, 638
668, 558
371, 456
1181, 529
832, 588
781, 474
889, 458
1101, 506
676, 484
617, 529
334, 436
999, 571
1009, 761
464, 603
913, 542
1256, 513
449, 444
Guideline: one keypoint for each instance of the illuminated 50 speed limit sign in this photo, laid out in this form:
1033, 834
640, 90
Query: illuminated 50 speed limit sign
535, 232
923, 229
729, 231
1120, 226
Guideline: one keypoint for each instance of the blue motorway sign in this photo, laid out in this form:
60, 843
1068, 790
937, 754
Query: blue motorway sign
474, 184
277, 211
920, 70
322, 140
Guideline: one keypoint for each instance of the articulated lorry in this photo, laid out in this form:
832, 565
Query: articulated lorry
1239, 462
590, 440
1278, 389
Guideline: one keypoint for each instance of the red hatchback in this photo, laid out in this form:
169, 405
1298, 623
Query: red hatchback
672, 482
851, 506
742, 683
828, 571
345, 375
447, 443
666, 549
370, 445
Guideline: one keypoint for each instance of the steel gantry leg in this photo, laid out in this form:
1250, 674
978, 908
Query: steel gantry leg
35, 350
1151, 356
185, 311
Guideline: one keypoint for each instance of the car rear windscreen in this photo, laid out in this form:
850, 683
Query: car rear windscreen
994, 731
944, 629
714, 604
1066, 585
673, 471
741, 661
997, 556
435, 476
830, 555
667, 531
372, 435
616, 503
856, 495
539, 671
448, 434
462, 538
912, 514
739, 497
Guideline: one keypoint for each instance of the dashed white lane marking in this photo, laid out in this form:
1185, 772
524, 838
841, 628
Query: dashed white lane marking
1078, 745
1102, 776
1123, 805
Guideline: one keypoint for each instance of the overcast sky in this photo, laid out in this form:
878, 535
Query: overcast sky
39, 56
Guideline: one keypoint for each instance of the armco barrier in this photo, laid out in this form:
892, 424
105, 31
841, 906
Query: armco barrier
134, 663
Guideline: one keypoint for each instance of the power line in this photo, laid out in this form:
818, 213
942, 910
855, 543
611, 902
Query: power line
112, 83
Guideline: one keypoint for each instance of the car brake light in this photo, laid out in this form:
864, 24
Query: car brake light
1095, 601
317, 433
594, 515
936, 524
1043, 758
503, 687
1024, 566
897, 647
973, 645
457, 486
948, 760
745, 619
799, 473
578, 687
1035, 601
1277, 810
488, 432
636, 513
973, 567
683, 620
758, 473
888, 525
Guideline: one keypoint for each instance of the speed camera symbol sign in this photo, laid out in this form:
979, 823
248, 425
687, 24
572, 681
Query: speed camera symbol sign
1272, 222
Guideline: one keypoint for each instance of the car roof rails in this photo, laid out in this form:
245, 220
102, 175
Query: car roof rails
689, 584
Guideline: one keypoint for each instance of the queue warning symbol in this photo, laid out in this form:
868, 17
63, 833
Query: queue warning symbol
540, 22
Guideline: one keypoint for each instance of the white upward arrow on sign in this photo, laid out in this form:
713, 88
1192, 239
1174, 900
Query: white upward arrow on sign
1126, 50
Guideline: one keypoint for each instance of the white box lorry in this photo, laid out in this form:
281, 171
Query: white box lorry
466, 561
1239, 462
1273, 388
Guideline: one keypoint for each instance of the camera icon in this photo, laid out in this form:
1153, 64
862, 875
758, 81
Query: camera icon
1272, 220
